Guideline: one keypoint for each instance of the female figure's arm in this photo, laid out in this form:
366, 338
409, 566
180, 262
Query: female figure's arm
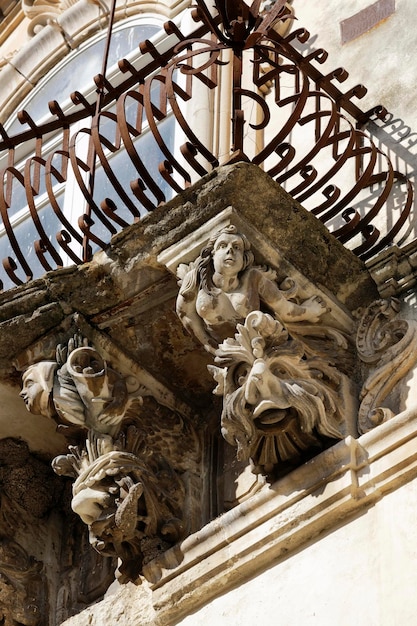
186, 311
310, 310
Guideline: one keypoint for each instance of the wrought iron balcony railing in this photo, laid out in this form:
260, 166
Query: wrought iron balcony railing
282, 113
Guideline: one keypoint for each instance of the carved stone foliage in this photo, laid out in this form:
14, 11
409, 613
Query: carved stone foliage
388, 347
131, 501
283, 395
126, 487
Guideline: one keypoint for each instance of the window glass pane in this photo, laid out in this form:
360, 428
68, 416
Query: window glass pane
125, 172
18, 198
26, 235
80, 67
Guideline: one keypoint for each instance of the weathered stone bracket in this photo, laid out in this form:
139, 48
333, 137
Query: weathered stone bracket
126, 487
286, 380
282, 347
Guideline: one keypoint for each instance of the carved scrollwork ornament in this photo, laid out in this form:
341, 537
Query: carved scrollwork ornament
128, 499
39, 13
125, 489
387, 345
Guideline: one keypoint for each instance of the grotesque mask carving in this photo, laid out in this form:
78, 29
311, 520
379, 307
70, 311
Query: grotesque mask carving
278, 402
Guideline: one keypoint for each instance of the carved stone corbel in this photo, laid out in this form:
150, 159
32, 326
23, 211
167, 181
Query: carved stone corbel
131, 501
388, 347
126, 489
278, 402
27, 494
280, 367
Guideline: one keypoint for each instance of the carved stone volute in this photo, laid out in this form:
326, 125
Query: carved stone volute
387, 345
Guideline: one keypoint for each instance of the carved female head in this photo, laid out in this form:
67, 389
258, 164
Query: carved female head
227, 251
38, 381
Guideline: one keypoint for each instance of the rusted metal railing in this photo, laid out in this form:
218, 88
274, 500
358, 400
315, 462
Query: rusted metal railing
285, 87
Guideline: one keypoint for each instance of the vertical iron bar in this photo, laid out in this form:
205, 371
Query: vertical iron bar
237, 113
91, 158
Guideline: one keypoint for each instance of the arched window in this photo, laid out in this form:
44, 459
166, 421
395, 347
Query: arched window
75, 73
77, 70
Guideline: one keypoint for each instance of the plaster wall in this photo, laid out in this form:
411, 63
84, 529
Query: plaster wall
382, 58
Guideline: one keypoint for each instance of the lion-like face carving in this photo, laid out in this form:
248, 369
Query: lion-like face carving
278, 402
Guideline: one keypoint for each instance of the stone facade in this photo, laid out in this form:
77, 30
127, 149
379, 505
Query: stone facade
129, 392
220, 407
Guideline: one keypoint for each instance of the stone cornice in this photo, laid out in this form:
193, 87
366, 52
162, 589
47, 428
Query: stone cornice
339, 483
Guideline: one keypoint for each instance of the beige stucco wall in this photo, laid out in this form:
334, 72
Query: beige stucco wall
383, 58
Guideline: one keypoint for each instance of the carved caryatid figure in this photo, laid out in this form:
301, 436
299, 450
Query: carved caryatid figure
126, 492
222, 286
281, 393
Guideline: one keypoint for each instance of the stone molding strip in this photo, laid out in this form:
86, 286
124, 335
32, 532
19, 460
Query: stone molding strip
336, 485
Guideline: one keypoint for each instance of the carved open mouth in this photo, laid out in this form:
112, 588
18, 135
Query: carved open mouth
275, 420
266, 406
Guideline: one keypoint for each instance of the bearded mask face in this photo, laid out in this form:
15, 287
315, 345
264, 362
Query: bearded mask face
278, 403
